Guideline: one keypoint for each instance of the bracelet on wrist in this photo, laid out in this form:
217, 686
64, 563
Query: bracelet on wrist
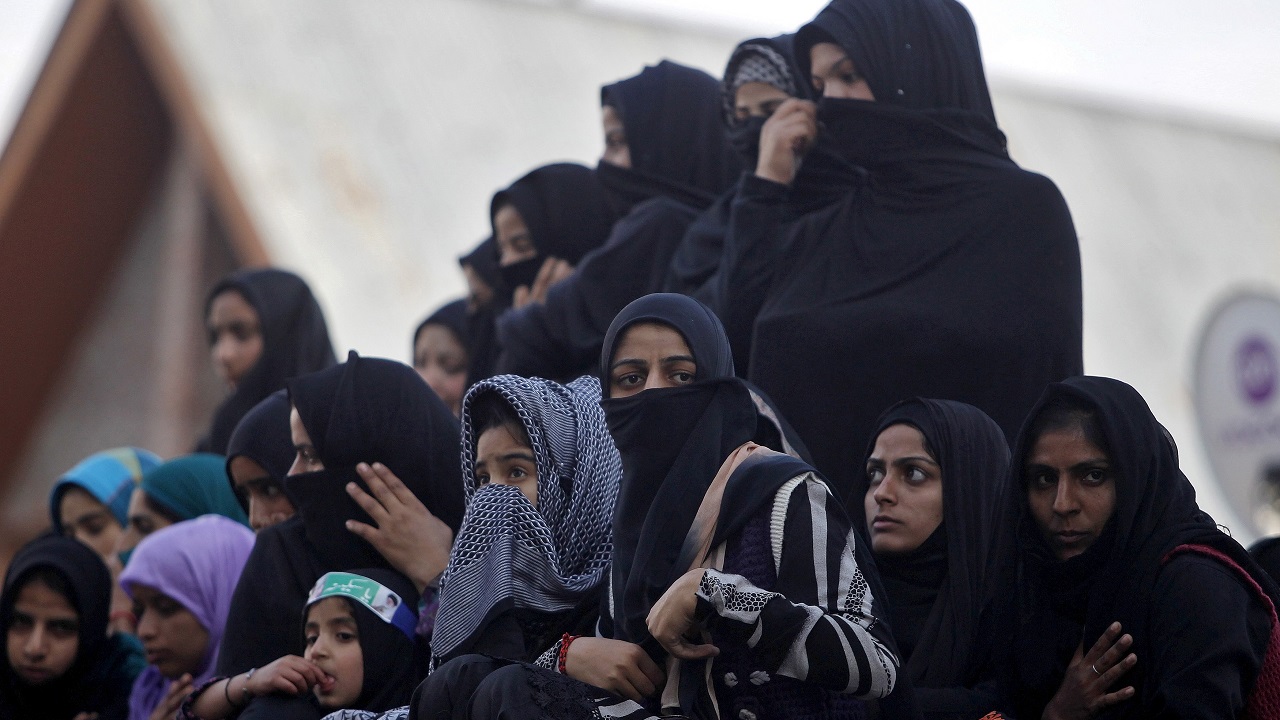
245, 697
565, 641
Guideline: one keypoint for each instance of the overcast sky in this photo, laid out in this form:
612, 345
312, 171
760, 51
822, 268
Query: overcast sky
1215, 60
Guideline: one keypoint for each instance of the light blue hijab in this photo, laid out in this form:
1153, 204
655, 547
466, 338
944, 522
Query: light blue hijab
109, 476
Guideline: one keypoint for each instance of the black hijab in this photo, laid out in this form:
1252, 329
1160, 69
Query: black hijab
568, 213
365, 410
672, 442
295, 341
671, 114
1057, 603
263, 436
99, 680
947, 272
451, 315
974, 460
480, 337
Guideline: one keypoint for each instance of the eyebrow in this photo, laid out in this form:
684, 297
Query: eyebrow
518, 456
843, 57
677, 358
916, 458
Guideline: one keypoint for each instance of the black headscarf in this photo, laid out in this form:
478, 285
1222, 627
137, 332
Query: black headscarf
480, 337
949, 272
365, 410
974, 460
672, 442
100, 679
295, 341
263, 436
1155, 512
671, 114
451, 315
568, 213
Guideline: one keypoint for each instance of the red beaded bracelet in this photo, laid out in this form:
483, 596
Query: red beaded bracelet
565, 641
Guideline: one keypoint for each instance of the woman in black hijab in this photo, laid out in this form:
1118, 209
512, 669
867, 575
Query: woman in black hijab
698, 547
264, 327
1107, 540
258, 459
666, 159
440, 353
366, 410
59, 662
936, 471
948, 272
484, 304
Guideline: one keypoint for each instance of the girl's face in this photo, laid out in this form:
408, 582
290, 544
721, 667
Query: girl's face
235, 336
173, 638
616, 150
834, 74
307, 460
904, 496
650, 355
333, 644
44, 634
143, 520
268, 505
502, 459
85, 518
1070, 489
441, 360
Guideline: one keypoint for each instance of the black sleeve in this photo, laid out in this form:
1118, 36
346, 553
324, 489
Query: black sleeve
264, 622
1209, 635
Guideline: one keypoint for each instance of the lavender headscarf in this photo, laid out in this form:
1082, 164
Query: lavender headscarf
197, 563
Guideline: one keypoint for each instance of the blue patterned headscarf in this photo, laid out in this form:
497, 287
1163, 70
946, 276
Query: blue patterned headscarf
509, 552
109, 476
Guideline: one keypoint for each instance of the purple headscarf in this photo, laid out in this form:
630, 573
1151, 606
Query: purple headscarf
197, 563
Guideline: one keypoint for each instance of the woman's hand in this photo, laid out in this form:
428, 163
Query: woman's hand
413, 540
553, 271
1083, 692
178, 691
672, 619
290, 674
622, 668
786, 136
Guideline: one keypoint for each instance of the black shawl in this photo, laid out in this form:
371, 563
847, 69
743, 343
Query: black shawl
102, 675
949, 272
1059, 604
671, 114
295, 341
974, 459
263, 436
365, 410
481, 338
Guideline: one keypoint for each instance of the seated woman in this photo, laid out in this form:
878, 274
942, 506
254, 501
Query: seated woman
181, 579
180, 489
366, 425
264, 327
936, 477
440, 353
714, 537
59, 663
258, 459
1126, 599
361, 658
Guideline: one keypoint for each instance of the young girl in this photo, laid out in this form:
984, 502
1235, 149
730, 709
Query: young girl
91, 501
59, 663
181, 579
181, 489
361, 656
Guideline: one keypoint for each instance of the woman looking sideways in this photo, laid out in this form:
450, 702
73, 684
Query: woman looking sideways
936, 472
1126, 600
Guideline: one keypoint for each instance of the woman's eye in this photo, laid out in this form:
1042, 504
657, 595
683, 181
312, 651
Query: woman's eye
346, 636
875, 475
271, 491
915, 475
1095, 477
482, 478
20, 622
518, 472
311, 640
683, 377
213, 338
64, 628
629, 380
166, 606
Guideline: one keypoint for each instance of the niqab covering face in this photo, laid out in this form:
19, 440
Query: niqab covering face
194, 485
671, 114
295, 341
85, 685
510, 554
1060, 604
197, 563
947, 272
109, 476
974, 460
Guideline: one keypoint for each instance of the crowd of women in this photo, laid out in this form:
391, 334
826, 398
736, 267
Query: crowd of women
776, 413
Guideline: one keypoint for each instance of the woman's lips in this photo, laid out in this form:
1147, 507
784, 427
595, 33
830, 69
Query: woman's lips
326, 685
34, 675
882, 523
1070, 538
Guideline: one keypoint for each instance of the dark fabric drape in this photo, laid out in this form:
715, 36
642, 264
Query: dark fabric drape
954, 572
947, 272
365, 410
481, 331
393, 662
263, 436
1057, 605
100, 679
295, 341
